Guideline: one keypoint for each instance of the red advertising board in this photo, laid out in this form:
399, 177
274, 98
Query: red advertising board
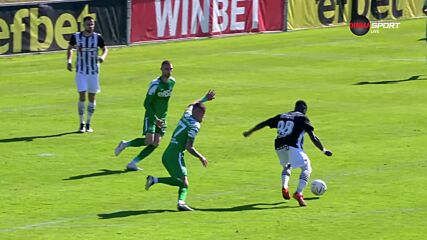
173, 19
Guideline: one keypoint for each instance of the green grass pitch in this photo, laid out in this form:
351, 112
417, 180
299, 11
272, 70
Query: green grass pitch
56, 185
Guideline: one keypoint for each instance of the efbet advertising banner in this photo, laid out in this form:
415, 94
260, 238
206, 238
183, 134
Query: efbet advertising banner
318, 13
173, 19
46, 27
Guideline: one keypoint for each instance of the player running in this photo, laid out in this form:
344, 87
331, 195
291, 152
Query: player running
291, 127
87, 68
156, 109
183, 139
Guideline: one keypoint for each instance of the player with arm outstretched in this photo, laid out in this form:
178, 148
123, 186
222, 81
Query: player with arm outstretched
155, 121
183, 140
291, 127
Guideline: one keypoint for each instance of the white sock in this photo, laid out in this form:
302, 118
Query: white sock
81, 110
156, 180
286, 175
180, 202
303, 179
285, 181
90, 110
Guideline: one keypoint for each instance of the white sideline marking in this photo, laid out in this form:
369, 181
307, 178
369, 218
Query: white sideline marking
39, 225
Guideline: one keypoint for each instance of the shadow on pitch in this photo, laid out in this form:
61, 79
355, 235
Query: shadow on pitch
248, 207
422, 39
129, 213
413, 78
31, 138
311, 198
100, 173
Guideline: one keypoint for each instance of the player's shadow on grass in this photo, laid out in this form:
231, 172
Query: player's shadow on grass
248, 207
129, 213
413, 78
422, 39
31, 138
100, 173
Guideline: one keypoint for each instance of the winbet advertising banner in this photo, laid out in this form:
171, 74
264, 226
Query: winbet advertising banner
173, 19
318, 13
46, 27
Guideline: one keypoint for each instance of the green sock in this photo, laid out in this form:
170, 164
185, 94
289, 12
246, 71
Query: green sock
182, 193
171, 181
137, 142
144, 153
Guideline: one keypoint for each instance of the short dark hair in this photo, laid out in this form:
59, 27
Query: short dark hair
300, 103
88, 18
200, 106
166, 62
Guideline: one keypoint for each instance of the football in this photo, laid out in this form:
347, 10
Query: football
318, 187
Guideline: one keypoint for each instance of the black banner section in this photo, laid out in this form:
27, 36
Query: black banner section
47, 27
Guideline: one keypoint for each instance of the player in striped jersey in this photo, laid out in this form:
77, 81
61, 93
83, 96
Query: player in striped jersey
87, 44
291, 127
156, 109
183, 139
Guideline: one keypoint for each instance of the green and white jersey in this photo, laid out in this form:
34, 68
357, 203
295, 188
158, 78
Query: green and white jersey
187, 128
157, 99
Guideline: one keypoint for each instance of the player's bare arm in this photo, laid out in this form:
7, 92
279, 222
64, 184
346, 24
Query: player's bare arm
316, 141
70, 58
254, 129
104, 54
210, 95
192, 150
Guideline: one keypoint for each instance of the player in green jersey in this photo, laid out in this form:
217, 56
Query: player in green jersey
156, 110
183, 139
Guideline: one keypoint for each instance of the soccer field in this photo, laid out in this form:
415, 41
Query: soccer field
59, 185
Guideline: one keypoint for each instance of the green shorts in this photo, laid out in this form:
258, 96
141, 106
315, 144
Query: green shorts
174, 163
151, 127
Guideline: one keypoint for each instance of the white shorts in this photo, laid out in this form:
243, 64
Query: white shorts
296, 157
88, 83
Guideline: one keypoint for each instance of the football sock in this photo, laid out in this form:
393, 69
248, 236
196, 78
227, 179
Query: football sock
90, 110
286, 174
182, 194
81, 110
137, 142
303, 179
144, 153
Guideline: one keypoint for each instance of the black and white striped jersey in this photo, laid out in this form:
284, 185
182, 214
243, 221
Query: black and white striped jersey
291, 127
87, 52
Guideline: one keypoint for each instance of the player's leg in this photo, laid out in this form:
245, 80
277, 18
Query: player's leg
286, 175
148, 130
81, 83
90, 111
93, 89
299, 159
172, 161
283, 155
132, 166
152, 141
175, 165
81, 111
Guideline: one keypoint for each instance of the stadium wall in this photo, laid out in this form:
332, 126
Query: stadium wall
319, 13
177, 19
47, 26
